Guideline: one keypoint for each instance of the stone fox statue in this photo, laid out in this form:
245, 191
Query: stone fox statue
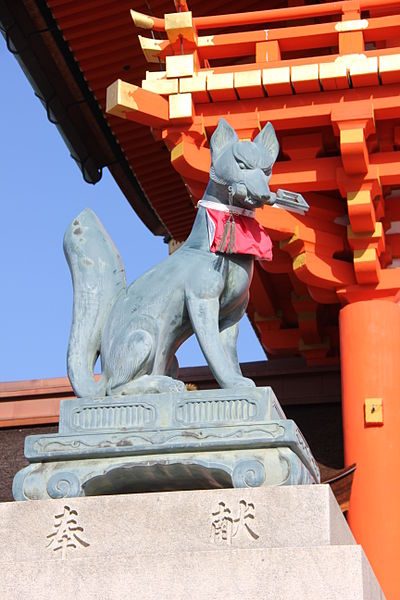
202, 288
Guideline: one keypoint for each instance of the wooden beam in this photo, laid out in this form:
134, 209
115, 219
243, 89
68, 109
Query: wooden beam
136, 104
304, 110
265, 16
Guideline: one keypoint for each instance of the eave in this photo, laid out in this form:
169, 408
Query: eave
37, 43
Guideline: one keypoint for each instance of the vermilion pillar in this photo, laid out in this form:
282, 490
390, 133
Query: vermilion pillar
370, 358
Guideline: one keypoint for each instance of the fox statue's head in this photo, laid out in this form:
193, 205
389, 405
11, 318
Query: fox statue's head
240, 171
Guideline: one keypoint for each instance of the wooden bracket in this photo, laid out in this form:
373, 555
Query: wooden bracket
136, 104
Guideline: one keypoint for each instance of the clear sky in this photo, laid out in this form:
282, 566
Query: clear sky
41, 191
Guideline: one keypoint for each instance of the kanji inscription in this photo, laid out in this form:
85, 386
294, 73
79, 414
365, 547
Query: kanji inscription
67, 533
226, 525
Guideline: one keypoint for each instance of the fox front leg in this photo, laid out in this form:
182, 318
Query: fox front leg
204, 316
228, 334
228, 331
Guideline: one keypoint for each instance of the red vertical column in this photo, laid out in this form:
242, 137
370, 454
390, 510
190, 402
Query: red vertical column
370, 360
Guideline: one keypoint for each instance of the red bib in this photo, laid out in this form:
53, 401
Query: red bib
237, 234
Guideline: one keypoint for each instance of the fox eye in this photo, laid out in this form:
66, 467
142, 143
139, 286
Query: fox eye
267, 171
242, 165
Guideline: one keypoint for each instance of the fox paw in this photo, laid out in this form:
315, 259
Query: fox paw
150, 384
241, 382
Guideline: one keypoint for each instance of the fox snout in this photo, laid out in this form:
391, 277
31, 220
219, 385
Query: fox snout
252, 189
257, 186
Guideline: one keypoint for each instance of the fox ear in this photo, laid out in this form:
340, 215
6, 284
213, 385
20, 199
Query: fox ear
267, 138
222, 137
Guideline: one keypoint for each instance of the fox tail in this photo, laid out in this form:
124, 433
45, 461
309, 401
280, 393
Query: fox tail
98, 278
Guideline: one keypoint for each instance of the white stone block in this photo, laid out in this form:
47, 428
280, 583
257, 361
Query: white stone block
270, 543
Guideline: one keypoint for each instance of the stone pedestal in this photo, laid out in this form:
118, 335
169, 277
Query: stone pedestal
162, 442
274, 543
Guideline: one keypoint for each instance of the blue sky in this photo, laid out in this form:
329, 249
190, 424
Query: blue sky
41, 192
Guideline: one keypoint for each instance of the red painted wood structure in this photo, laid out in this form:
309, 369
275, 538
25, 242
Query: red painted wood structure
331, 89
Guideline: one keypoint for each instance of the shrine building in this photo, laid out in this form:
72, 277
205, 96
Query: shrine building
325, 309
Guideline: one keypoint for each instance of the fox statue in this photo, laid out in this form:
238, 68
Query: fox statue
202, 288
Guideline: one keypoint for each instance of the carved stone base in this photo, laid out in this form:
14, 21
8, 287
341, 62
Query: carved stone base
163, 442
269, 543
